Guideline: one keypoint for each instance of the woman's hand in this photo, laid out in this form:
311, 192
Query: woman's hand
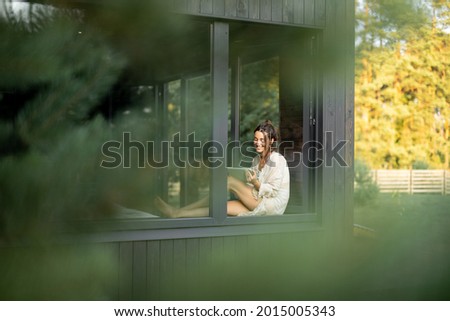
252, 179
250, 175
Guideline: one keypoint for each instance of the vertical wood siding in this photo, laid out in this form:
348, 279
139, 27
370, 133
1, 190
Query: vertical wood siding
292, 12
338, 113
190, 269
349, 110
126, 270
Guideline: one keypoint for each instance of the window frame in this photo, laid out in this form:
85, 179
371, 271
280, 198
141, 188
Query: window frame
218, 223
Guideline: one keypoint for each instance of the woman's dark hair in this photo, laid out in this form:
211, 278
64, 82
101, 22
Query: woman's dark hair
268, 128
270, 133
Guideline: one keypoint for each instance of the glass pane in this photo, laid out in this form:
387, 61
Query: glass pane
132, 113
189, 128
198, 105
259, 92
269, 91
173, 110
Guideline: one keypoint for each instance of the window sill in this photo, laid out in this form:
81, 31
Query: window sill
163, 229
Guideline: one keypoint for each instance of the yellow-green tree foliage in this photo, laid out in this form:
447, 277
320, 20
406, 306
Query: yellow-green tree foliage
402, 94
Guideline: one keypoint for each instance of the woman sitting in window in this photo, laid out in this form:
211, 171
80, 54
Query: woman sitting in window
267, 191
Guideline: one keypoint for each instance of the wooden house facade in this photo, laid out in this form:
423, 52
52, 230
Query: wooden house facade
307, 46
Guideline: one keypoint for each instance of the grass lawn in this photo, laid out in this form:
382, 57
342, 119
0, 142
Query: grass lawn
390, 210
409, 254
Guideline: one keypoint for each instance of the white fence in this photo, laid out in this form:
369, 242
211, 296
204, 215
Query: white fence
413, 181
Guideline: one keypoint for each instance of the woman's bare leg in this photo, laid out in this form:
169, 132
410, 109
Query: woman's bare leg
200, 208
235, 208
195, 212
243, 192
192, 210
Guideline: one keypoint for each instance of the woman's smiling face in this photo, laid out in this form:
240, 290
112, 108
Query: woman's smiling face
259, 141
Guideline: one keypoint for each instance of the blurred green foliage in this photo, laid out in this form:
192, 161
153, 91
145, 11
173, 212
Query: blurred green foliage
57, 70
65, 272
53, 75
419, 164
60, 70
366, 190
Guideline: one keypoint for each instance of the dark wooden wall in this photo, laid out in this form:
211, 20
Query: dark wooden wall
260, 266
338, 114
214, 267
255, 267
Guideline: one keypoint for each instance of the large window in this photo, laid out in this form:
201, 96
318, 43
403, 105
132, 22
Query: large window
274, 78
229, 78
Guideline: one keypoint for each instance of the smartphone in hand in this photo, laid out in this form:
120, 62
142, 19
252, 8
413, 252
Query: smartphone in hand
250, 174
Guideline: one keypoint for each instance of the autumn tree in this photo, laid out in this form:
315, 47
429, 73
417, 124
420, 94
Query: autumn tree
402, 92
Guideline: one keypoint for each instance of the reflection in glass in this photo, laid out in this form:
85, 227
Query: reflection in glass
189, 119
259, 95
